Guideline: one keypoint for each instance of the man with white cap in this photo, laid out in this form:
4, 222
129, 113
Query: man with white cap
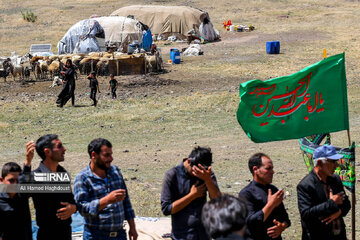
322, 201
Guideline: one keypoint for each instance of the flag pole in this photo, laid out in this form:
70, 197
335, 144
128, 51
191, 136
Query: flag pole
353, 198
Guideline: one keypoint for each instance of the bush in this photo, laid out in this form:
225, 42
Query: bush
29, 16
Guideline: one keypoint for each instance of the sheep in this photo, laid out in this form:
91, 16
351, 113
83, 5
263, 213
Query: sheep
37, 70
88, 64
44, 69
103, 67
54, 68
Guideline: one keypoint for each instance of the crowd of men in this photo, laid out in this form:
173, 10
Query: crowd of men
101, 196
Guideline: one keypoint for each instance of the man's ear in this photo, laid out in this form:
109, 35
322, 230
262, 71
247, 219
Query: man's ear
93, 154
255, 168
47, 151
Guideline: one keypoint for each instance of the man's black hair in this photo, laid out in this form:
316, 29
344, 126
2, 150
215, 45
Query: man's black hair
201, 155
256, 161
96, 144
9, 168
223, 215
45, 142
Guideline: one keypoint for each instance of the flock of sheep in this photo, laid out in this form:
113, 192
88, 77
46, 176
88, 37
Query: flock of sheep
46, 68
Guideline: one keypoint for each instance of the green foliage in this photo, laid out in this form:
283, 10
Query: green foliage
29, 16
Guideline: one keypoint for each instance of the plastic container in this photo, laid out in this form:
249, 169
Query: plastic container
273, 47
175, 55
232, 28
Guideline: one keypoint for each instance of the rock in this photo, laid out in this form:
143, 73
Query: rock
126, 151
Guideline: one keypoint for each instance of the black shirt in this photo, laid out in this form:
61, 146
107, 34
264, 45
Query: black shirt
47, 204
113, 83
93, 83
15, 220
186, 224
256, 195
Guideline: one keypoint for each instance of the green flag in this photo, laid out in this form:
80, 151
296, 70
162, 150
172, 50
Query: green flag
311, 101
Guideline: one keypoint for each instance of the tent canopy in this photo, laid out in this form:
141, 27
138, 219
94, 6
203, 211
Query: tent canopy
118, 32
166, 19
81, 38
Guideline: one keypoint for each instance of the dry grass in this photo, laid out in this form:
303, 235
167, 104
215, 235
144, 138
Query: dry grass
160, 129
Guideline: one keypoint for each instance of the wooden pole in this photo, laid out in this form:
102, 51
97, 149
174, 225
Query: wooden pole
353, 197
353, 200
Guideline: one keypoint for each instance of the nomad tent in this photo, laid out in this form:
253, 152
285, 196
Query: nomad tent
117, 31
81, 38
170, 20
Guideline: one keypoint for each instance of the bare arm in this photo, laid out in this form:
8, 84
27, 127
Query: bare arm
115, 196
273, 201
133, 235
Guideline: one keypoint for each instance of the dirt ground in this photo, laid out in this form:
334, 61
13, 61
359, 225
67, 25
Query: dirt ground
158, 119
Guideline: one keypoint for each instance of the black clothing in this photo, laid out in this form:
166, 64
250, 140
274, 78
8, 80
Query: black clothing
15, 220
313, 205
113, 84
68, 90
93, 96
46, 205
256, 195
93, 84
186, 224
231, 236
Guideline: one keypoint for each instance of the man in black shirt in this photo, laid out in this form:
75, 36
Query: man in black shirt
53, 210
184, 194
322, 201
15, 220
267, 215
94, 86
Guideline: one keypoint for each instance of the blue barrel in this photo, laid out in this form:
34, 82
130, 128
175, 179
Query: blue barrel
273, 47
175, 55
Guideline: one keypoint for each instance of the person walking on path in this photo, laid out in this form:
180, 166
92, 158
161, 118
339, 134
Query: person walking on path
68, 90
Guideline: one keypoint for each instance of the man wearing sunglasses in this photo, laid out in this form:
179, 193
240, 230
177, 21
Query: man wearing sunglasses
322, 201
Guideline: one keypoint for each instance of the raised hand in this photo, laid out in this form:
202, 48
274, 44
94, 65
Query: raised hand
275, 199
337, 198
116, 196
202, 173
198, 191
29, 152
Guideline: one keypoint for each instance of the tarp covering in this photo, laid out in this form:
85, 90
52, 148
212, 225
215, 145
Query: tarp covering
80, 38
166, 19
120, 31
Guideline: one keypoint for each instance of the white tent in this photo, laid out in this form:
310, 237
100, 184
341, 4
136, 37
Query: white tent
118, 32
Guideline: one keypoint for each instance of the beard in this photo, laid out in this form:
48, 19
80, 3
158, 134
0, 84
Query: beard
100, 164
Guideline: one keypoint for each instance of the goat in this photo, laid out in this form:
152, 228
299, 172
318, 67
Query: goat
56, 82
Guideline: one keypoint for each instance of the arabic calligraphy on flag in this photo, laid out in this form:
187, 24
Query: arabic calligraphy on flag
311, 101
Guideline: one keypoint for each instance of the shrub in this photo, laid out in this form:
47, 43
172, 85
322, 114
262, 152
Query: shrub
29, 16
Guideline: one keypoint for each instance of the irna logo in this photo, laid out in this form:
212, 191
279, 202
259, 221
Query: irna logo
52, 177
